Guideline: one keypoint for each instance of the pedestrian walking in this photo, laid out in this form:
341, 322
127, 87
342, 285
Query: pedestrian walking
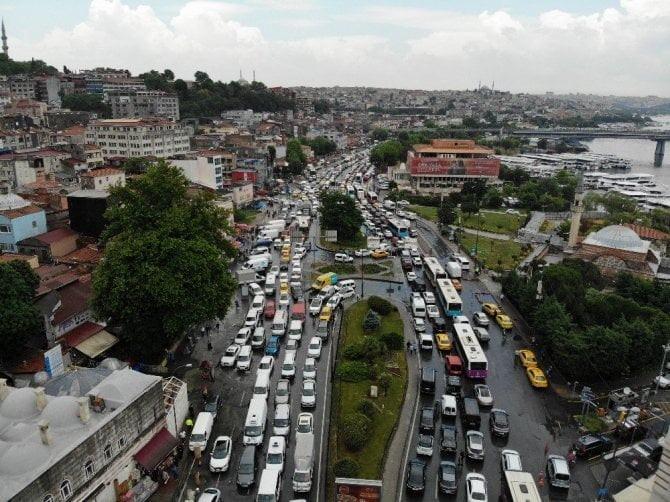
217, 328
197, 453
197, 478
549, 370
205, 392
191, 411
409, 347
546, 448
211, 373
209, 347
237, 304
202, 331
461, 459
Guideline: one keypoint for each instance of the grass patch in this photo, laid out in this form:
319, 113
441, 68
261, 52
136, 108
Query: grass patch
493, 253
245, 216
498, 223
375, 268
358, 242
338, 268
426, 212
346, 396
591, 423
547, 226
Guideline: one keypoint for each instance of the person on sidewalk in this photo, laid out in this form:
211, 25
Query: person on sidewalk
197, 453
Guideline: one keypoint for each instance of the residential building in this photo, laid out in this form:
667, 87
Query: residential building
103, 179
243, 194
210, 168
445, 163
144, 104
138, 137
19, 220
50, 245
86, 444
26, 107
22, 86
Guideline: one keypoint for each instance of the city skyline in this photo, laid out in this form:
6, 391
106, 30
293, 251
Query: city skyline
605, 47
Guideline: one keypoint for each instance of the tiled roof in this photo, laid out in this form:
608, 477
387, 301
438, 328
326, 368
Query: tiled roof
105, 171
88, 254
648, 233
20, 211
74, 300
56, 235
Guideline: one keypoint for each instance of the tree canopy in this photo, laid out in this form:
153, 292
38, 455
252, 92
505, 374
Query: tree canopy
19, 318
33, 67
320, 145
295, 157
387, 153
167, 260
87, 103
339, 212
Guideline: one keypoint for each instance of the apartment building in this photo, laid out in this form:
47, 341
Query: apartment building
210, 168
144, 104
138, 137
22, 86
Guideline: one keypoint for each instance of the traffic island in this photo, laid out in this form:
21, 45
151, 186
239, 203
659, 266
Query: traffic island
369, 384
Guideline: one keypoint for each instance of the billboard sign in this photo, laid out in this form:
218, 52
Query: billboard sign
53, 361
454, 167
358, 490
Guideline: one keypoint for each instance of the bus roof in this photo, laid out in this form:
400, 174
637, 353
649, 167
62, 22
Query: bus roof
522, 487
448, 291
472, 351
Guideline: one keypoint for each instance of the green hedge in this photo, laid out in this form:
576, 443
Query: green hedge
355, 430
380, 305
353, 371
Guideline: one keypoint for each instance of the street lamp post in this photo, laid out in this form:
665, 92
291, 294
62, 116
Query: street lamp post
666, 349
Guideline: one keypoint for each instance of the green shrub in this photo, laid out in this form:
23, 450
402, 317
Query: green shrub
371, 321
393, 340
384, 381
355, 430
367, 408
369, 349
346, 468
353, 371
381, 306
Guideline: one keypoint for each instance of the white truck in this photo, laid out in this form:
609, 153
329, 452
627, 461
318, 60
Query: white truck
303, 460
303, 222
454, 269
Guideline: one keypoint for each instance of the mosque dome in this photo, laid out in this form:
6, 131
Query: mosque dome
617, 237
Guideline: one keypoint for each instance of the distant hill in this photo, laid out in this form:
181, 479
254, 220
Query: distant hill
32, 67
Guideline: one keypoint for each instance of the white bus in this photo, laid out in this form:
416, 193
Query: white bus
475, 364
433, 270
520, 487
350, 191
449, 298
360, 194
372, 197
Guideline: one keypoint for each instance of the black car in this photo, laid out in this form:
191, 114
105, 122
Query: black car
448, 478
213, 404
439, 324
592, 445
246, 470
427, 422
499, 422
416, 476
449, 439
418, 285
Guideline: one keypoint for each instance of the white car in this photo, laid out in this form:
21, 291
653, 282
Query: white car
255, 289
243, 336
424, 445
481, 334
475, 485
347, 292
308, 395
274, 460
510, 460
219, 461
299, 252
230, 356
258, 302
309, 369
663, 381
416, 260
343, 258
315, 305
274, 270
314, 349
411, 276
419, 325
480, 319
483, 394
428, 297
284, 301
292, 345
361, 253
334, 301
266, 365
432, 311
251, 321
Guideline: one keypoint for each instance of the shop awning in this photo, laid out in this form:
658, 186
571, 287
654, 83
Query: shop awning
155, 451
96, 344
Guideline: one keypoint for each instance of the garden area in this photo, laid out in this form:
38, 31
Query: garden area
358, 242
382, 267
494, 254
426, 212
338, 268
493, 221
245, 216
370, 352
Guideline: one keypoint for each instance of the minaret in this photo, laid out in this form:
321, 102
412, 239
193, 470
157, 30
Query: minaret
5, 47
577, 210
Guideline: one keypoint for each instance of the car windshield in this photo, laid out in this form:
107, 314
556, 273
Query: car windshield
281, 422
308, 391
252, 430
282, 391
501, 419
425, 440
478, 496
232, 350
448, 473
275, 458
265, 365
475, 440
314, 346
302, 477
210, 407
221, 450
309, 367
246, 468
196, 438
304, 427
484, 392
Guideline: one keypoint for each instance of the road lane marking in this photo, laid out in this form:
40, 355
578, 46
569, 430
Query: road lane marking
323, 414
242, 398
409, 444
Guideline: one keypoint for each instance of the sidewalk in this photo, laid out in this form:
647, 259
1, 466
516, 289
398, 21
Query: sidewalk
395, 456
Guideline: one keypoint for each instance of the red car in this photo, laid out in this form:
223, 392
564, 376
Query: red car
270, 309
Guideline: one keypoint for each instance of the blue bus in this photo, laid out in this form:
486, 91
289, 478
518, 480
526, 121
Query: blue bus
448, 296
399, 228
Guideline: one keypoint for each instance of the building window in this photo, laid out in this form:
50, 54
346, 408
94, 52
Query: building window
108, 451
48, 498
89, 469
121, 442
34, 224
4, 229
65, 490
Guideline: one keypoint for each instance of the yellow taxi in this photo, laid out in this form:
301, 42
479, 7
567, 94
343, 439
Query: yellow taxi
457, 284
379, 253
283, 288
504, 321
536, 377
443, 341
286, 257
527, 358
491, 309
325, 314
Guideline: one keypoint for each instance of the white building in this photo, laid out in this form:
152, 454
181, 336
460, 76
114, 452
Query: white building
103, 179
138, 137
144, 104
335, 136
243, 194
210, 168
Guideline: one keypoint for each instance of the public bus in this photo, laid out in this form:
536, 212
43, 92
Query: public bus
520, 487
449, 298
399, 228
351, 192
358, 178
360, 194
475, 364
433, 270
372, 197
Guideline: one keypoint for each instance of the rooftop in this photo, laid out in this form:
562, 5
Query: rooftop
105, 171
452, 146
617, 237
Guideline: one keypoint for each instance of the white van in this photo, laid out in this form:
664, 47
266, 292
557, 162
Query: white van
347, 283
257, 265
418, 306
251, 321
255, 289
425, 342
269, 487
270, 284
258, 302
295, 330
280, 323
262, 386
448, 405
202, 430
281, 426
288, 366
465, 263
254, 425
243, 362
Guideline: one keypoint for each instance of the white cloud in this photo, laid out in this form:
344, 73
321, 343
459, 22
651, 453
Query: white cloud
621, 50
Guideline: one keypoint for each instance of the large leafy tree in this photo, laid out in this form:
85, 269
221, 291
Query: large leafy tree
446, 213
387, 153
339, 212
295, 157
19, 318
167, 260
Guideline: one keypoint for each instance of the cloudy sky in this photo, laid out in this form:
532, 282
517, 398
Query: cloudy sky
600, 46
